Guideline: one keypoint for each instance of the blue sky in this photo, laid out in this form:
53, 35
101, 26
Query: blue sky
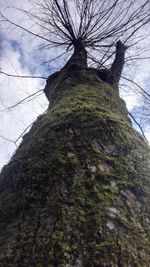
21, 54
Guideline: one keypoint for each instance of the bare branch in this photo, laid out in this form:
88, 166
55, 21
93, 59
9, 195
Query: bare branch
26, 98
22, 76
137, 85
138, 126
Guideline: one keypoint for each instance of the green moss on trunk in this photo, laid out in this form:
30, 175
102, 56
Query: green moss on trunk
76, 193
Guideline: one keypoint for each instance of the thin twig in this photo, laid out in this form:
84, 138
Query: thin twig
22, 100
22, 76
7, 139
136, 85
138, 126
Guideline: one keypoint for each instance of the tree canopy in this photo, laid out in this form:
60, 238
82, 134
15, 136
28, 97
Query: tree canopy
97, 24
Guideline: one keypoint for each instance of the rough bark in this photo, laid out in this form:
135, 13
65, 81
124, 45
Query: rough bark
79, 57
117, 66
77, 191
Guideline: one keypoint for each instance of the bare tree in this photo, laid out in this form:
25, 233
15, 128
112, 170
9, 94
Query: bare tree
92, 29
76, 192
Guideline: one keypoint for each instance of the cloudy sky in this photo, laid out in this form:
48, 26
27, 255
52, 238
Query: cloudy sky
22, 54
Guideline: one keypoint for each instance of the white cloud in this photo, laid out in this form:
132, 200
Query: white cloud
16, 58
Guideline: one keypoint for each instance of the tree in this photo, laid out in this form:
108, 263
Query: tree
76, 193
97, 24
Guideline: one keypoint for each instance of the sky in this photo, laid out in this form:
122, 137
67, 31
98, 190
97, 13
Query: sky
22, 54
19, 55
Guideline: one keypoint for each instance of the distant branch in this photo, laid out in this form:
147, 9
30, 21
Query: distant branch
27, 128
24, 99
7, 139
138, 126
21, 76
127, 79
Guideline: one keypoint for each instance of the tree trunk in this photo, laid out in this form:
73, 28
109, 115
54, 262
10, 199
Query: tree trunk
77, 191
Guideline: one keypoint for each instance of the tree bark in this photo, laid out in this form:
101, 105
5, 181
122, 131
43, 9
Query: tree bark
117, 66
79, 57
77, 191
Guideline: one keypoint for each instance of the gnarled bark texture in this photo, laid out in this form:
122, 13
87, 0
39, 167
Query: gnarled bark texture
77, 191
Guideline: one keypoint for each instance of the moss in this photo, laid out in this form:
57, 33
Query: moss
81, 167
